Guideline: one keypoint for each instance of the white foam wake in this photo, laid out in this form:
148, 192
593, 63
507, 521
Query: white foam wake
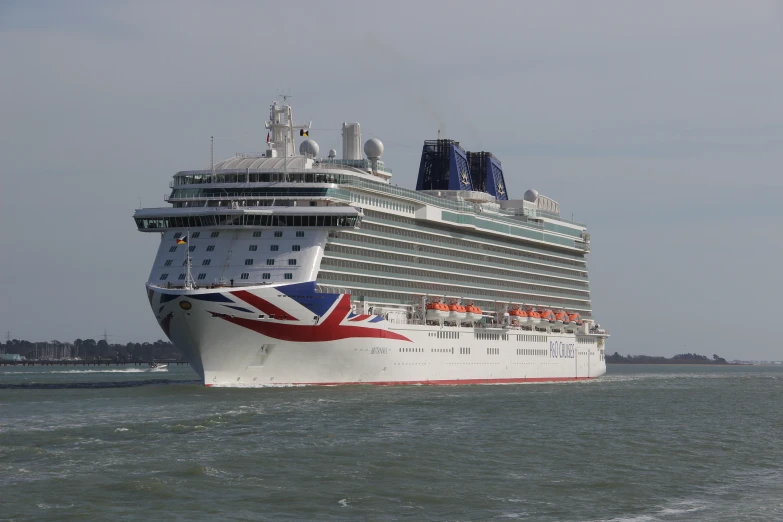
125, 370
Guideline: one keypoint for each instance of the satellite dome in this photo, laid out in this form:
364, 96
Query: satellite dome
373, 148
531, 195
308, 148
332, 153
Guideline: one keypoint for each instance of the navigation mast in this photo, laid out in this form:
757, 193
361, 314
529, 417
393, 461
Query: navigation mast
188, 275
281, 126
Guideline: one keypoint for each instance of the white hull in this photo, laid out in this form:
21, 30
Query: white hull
231, 347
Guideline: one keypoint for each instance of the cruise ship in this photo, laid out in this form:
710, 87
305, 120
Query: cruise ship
290, 268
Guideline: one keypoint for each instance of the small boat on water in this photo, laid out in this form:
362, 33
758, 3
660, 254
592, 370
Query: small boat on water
158, 366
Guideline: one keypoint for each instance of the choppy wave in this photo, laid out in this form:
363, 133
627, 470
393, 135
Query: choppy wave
677, 511
657, 446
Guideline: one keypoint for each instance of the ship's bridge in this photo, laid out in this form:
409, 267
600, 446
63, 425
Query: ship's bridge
297, 169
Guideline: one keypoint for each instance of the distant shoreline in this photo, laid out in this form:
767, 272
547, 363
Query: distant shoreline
680, 358
685, 363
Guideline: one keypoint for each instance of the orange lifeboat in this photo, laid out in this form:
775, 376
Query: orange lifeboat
473, 313
547, 316
575, 319
533, 317
561, 318
457, 312
436, 311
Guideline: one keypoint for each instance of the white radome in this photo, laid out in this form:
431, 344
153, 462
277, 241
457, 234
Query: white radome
309, 148
373, 148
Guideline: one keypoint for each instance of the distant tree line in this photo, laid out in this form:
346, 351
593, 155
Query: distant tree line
682, 358
90, 349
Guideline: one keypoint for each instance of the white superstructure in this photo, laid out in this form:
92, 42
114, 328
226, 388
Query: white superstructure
283, 268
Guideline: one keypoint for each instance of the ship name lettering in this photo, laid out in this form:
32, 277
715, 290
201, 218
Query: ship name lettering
378, 350
561, 350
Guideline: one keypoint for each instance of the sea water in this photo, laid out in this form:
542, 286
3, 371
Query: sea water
643, 443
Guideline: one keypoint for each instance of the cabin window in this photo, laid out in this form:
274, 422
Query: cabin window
210, 248
274, 248
163, 277
270, 262
194, 235
181, 277
296, 248
253, 248
206, 262
202, 275
173, 249
266, 275
279, 233
249, 261
257, 234
244, 275
191, 248
299, 233
289, 275
215, 234
292, 262
168, 262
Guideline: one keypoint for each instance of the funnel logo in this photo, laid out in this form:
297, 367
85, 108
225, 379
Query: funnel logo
464, 178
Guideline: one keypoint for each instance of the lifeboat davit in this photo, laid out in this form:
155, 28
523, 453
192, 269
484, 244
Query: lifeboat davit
457, 312
547, 317
533, 317
437, 311
473, 313
561, 318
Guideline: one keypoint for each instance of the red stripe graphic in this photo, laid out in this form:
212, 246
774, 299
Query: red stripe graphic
264, 305
329, 330
361, 317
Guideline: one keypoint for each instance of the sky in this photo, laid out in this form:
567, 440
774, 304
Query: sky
659, 124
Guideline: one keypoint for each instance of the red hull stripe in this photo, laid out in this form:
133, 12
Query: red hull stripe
263, 305
446, 382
